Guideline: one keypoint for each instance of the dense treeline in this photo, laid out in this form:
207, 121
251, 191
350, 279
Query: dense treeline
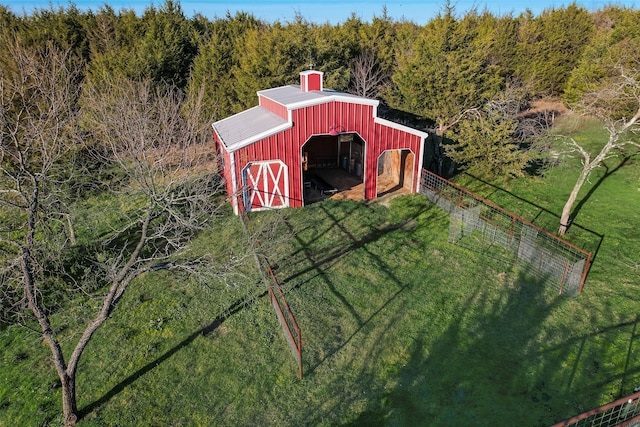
465, 75
450, 72
235, 55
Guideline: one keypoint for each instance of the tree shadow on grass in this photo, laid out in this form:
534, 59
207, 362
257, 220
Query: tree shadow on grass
471, 374
238, 306
318, 266
233, 309
507, 359
608, 172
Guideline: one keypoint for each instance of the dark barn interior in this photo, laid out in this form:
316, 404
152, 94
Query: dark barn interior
332, 164
333, 167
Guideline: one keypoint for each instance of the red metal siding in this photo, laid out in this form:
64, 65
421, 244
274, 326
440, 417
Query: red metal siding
310, 81
385, 138
225, 156
314, 82
274, 107
318, 120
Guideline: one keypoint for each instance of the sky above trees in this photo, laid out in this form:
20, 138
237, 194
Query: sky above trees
332, 11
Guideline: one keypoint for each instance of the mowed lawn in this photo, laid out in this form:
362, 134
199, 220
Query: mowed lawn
399, 327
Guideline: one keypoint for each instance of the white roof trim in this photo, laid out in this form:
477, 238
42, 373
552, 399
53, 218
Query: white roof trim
394, 125
249, 126
259, 136
332, 98
313, 97
290, 98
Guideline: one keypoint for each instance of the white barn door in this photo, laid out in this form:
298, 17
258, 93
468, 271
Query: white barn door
266, 185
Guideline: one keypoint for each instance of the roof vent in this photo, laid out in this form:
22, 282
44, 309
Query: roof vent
311, 80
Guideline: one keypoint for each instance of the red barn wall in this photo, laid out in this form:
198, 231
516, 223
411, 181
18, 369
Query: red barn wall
318, 120
274, 107
227, 174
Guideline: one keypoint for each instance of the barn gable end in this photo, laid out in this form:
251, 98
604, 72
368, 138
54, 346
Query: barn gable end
266, 149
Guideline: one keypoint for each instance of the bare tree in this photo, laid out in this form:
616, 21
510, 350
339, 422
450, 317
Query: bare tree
164, 150
366, 75
38, 93
172, 190
617, 104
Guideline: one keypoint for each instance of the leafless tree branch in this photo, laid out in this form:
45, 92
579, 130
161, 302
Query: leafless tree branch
366, 75
616, 101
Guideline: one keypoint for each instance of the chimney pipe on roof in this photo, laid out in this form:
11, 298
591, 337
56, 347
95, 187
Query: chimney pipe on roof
311, 80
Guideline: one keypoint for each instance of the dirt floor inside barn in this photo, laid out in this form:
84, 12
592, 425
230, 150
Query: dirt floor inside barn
350, 187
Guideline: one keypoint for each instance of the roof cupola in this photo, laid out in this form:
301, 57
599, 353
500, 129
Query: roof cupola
311, 80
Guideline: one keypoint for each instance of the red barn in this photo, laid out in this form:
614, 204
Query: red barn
302, 143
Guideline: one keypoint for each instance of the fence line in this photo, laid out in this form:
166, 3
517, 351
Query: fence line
624, 412
540, 253
285, 316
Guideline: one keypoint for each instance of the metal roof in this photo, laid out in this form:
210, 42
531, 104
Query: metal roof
256, 123
293, 97
248, 126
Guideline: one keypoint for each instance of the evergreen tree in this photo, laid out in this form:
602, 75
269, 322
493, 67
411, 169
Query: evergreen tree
217, 57
113, 39
335, 47
64, 27
272, 56
161, 45
617, 42
449, 72
550, 46
167, 49
376, 60
487, 147
448, 75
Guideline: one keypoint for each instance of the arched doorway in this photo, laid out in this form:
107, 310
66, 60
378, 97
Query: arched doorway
395, 172
333, 166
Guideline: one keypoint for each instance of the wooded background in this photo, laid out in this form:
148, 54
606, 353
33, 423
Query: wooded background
473, 76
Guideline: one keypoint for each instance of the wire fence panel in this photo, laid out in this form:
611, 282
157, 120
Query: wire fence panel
624, 412
562, 265
439, 200
463, 222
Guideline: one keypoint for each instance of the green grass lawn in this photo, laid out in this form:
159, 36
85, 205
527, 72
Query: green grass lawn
399, 327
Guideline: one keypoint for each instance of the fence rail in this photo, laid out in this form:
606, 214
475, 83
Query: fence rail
561, 264
624, 412
285, 316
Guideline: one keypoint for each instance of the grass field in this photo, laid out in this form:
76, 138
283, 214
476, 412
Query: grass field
399, 327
